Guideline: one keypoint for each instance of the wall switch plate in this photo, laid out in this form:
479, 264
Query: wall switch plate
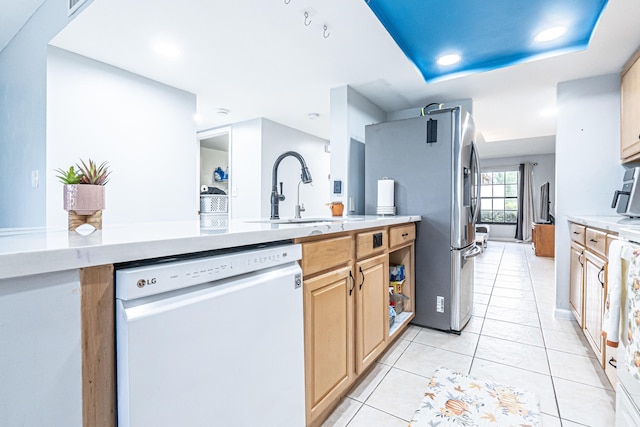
337, 187
440, 304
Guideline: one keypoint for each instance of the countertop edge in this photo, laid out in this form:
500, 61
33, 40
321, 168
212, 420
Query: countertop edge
34, 262
608, 223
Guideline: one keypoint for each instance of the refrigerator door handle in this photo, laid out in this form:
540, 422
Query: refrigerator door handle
476, 206
473, 252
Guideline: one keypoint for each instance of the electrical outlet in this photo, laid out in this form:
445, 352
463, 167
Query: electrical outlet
440, 304
35, 180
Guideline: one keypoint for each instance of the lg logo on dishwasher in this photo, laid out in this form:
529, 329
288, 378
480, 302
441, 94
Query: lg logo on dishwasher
144, 282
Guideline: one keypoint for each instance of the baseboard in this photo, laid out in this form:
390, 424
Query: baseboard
563, 313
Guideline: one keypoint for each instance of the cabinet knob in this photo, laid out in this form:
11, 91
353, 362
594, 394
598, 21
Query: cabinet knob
575, 232
593, 240
405, 234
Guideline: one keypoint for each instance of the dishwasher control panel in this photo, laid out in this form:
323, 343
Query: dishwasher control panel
138, 282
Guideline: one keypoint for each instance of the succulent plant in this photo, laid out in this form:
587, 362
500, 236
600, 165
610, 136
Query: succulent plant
70, 176
93, 174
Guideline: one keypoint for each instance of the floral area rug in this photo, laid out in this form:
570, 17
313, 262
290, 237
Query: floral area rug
455, 399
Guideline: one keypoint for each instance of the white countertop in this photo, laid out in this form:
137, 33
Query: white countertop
28, 252
610, 223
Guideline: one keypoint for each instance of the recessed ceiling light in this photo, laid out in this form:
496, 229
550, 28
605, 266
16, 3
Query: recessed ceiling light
449, 59
313, 116
550, 34
169, 50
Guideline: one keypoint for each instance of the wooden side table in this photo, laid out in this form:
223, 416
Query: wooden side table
544, 239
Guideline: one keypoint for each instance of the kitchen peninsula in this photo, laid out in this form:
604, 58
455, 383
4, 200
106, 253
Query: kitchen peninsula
57, 299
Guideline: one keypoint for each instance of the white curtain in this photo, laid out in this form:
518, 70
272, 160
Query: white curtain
526, 213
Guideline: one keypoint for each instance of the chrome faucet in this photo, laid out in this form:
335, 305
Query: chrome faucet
275, 196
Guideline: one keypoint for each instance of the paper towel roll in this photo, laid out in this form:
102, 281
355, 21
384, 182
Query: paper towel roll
385, 192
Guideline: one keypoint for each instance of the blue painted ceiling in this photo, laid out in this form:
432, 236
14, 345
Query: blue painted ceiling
486, 34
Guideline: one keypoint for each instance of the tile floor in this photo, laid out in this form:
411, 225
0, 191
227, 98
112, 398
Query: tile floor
513, 338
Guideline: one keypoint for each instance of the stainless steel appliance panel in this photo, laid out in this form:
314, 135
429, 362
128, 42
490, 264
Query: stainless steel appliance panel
436, 180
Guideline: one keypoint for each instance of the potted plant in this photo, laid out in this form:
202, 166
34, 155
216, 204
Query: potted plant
84, 192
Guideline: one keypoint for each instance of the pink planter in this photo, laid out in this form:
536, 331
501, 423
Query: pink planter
83, 199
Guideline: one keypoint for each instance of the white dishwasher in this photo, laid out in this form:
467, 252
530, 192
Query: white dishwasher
213, 341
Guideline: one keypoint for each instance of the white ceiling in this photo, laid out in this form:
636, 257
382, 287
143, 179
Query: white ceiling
13, 16
258, 59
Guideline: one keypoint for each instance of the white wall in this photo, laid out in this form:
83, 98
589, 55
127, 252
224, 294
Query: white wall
587, 160
40, 353
144, 129
467, 104
23, 65
544, 171
245, 172
277, 139
350, 113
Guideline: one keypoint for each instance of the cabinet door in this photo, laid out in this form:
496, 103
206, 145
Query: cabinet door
576, 289
328, 338
630, 113
594, 301
372, 309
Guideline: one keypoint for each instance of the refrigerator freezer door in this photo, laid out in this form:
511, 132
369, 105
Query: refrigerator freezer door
464, 168
463, 265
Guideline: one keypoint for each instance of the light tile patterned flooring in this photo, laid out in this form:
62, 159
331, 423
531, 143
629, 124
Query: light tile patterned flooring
513, 338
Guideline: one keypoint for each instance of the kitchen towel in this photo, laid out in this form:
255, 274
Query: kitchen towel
611, 321
385, 193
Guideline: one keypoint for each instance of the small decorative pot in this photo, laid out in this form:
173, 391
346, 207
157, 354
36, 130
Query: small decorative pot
85, 203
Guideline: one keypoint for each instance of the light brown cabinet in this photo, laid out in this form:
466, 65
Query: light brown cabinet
630, 111
588, 285
594, 294
328, 338
576, 291
346, 308
372, 313
543, 238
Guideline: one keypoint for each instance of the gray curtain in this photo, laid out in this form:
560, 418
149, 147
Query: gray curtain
525, 203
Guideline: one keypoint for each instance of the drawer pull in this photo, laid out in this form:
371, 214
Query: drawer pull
593, 240
405, 234
576, 232
613, 362
600, 274
361, 272
353, 283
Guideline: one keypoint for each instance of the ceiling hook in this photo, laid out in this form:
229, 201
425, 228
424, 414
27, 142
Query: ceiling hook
325, 34
307, 21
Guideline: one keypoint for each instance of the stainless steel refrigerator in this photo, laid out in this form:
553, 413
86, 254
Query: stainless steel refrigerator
434, 162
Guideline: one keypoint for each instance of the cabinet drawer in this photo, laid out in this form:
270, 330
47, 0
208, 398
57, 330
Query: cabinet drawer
324, 254
596, 241
402, 234
371, 242
577, 233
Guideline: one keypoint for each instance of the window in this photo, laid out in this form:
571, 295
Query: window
499, 197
